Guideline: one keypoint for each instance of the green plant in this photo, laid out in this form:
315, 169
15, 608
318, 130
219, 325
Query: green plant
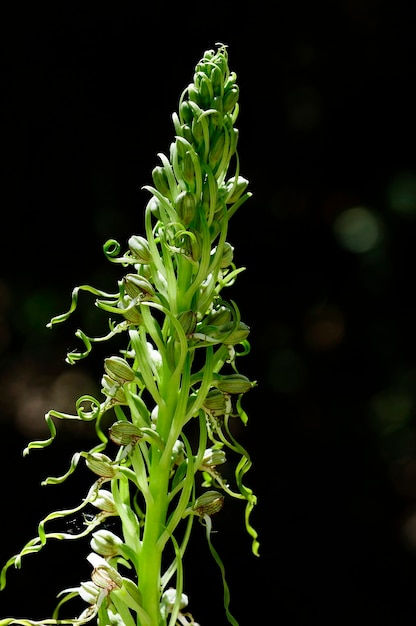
177, 374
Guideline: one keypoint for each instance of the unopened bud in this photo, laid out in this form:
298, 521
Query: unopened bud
234, 383
194, 245
187, 319
213, 457
216, 151
160, 180
138, 287
119, 370
215, 402
198, 133
236, 334
188, 168
185, 112
139, 249
100, 464
186, 207
154, 207
205, 91
130, 311
209, 503
216, 80
230, 98
124, 433
227, 255
106, 543
235, 187
193, 94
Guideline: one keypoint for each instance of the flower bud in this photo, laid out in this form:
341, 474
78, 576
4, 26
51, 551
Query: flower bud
139, 249
187, 319
209, 189
198, 133
188, 169
186, 207
230, 98
154, 207
186, 113
186, 133
138, 286
217, 119
106, 543
194, 245
160, 180
233, 141
235, 188
215, 403
100, 464
205, 91
124, 433
209, 503
193, 94
177, 150
234, 383
213, 457
216, 151
130, 311
236, 335
119, 370
216, 80
227, 255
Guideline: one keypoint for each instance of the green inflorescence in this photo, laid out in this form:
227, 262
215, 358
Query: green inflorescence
178, 371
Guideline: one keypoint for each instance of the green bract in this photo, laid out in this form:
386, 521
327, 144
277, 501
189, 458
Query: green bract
178, 367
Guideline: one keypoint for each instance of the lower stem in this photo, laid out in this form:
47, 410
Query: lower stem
150, 559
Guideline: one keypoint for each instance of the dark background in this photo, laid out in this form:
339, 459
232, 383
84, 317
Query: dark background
327, 140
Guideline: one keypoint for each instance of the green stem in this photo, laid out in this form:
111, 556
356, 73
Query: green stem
150, 561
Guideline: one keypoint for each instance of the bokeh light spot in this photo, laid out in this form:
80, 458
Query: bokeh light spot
402, 194
358, 230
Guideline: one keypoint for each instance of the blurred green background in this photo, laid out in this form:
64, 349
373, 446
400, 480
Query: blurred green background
327, 140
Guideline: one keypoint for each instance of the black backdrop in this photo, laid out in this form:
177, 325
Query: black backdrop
327, 141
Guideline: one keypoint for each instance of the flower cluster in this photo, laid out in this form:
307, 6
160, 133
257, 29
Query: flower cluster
178, 370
